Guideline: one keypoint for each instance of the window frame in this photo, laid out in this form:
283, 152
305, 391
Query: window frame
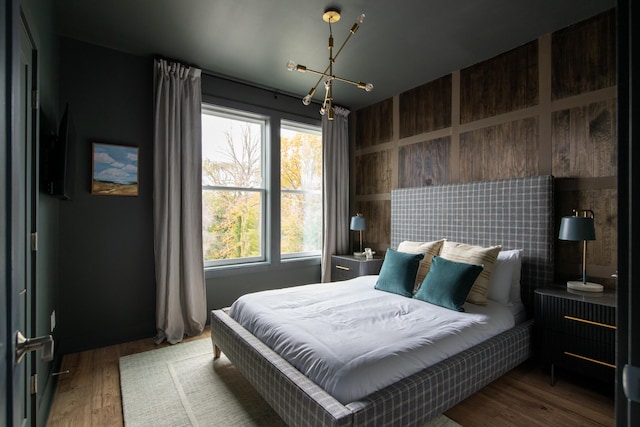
273, 261
309, 128
263, 121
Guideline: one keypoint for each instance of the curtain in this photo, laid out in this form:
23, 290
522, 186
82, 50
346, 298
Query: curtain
335, 152
181, 305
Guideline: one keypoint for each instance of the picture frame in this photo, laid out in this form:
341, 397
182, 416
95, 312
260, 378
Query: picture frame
114, 170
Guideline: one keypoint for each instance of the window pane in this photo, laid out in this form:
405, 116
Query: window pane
233, 193
301, 222
231, 151
301, 159
232, 224
301, 187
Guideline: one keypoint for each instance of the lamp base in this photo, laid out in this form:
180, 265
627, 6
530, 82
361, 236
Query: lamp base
577, 285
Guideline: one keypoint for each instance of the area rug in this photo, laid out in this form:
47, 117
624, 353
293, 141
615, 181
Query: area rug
182, 385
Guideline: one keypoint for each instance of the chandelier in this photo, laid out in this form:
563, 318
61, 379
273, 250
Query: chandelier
330, 16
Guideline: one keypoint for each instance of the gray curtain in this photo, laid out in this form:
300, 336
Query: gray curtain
335, 152
181, 304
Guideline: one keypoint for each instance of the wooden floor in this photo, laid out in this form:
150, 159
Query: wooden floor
89, 395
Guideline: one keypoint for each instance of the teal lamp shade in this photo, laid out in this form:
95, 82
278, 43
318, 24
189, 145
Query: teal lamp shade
580, 228
577, 228
357, 223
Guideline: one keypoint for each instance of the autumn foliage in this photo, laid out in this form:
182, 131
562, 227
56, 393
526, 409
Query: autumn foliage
234, 195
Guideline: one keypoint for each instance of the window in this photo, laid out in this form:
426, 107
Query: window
241, 183
300, 189
233, 186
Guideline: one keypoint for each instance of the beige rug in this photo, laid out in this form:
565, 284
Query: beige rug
181, 385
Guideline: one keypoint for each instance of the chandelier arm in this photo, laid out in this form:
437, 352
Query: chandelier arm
319, 80
351, 32
313, 90
359, 84
326, 97
341, 47
342, 79
321, 74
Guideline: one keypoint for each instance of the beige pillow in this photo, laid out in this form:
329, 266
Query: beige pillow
478, 255
429, 249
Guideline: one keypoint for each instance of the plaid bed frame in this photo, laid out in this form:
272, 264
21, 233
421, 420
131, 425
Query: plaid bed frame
518, 211
409, 402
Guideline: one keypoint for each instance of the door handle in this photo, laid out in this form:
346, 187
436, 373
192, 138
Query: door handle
25, 345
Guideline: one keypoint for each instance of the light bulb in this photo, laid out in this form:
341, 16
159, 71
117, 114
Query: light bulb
360, 19
368, 87
306, 100
322, 111
292, 66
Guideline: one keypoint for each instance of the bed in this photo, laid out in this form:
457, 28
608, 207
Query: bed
516, 213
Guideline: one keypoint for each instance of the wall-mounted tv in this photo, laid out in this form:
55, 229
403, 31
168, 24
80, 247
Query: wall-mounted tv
57, 174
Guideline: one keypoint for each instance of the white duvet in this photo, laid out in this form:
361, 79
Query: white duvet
353, 340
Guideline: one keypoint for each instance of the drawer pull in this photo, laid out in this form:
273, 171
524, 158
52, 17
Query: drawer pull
590, 360
604, 325
341, 267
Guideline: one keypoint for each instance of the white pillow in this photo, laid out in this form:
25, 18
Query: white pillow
514, 295
505, 279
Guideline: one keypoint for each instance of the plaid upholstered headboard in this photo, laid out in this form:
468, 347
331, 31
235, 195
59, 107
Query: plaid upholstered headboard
516, 213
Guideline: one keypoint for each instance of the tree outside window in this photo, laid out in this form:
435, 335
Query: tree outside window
301, 189
234, 188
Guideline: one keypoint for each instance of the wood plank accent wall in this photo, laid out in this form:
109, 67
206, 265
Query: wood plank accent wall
581, 62
508, 82
483, 159
424, 163
426, 108
375, 124
546, 107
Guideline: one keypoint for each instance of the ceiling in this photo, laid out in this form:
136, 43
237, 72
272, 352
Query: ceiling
399, 46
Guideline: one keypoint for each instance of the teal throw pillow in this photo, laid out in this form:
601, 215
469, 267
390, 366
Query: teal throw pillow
448, 283
398, 272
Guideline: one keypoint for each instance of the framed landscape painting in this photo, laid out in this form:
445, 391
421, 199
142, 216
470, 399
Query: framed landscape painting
114, 170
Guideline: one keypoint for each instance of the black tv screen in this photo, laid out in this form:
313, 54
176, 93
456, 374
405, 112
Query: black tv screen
58, 160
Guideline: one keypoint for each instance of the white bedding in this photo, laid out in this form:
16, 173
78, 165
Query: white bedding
353, 340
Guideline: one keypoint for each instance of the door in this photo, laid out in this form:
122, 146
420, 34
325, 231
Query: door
17, 214
5, 107
18, 202
21, 197
628, 344
13, 224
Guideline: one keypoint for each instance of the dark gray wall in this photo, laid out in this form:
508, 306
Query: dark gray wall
107, 283
107, 278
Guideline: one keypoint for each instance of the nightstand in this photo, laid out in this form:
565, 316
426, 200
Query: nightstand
345, 267
577, 331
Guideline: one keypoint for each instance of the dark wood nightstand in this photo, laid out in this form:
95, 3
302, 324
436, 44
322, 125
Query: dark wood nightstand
345, 267
576, 331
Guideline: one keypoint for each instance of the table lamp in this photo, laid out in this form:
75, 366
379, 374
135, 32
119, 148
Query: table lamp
580, 228
357, 224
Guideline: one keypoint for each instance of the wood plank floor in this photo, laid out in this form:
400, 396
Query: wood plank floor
89, 395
